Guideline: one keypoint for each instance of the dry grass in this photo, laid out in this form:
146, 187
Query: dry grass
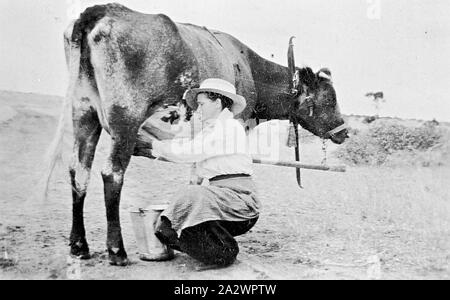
402, 215
330, 229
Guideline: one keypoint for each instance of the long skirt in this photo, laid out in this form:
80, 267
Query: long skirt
232, 199
202, 221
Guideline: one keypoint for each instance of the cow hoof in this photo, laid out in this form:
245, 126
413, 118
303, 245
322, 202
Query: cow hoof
118, 258
80, 249
115, 260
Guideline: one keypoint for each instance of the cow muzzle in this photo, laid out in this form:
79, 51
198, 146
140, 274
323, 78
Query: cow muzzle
338, 135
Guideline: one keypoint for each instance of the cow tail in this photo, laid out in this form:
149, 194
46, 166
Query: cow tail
55, 150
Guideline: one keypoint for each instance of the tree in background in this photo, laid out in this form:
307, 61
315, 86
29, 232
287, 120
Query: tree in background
377, 99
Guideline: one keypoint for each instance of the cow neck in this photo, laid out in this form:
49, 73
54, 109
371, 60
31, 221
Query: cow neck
272, 83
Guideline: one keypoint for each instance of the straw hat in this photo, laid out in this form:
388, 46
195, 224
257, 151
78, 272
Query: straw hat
218, 86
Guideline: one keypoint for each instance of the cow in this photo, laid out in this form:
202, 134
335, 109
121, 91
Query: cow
125, 65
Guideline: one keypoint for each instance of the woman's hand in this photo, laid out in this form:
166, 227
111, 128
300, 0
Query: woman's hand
161, 123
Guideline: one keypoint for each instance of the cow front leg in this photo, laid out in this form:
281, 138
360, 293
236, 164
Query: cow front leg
113, 176
87, 132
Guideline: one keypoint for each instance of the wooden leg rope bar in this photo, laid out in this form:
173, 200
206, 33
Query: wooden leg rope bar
298, 165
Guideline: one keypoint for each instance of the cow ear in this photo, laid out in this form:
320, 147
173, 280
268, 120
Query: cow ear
324, 74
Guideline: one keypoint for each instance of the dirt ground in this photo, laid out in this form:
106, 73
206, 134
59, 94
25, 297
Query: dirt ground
367, 223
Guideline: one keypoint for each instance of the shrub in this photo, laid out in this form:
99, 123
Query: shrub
384, 140
359, 150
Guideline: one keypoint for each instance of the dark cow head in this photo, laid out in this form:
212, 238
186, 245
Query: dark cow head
315, 105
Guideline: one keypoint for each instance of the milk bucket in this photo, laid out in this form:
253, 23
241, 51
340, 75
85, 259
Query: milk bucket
144, 223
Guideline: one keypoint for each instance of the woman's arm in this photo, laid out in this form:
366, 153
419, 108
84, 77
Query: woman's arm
186, 150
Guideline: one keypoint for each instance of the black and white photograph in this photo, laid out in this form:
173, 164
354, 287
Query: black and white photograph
197, 141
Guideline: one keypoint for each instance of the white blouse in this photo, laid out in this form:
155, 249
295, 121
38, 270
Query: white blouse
220, 148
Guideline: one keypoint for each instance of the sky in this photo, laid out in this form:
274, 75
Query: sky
400, 47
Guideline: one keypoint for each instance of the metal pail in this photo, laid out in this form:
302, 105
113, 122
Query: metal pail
144, 223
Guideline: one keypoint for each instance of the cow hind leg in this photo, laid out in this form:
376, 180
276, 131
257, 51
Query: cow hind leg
87, 130
123, 141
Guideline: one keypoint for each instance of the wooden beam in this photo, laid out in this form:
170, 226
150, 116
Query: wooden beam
293, 164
